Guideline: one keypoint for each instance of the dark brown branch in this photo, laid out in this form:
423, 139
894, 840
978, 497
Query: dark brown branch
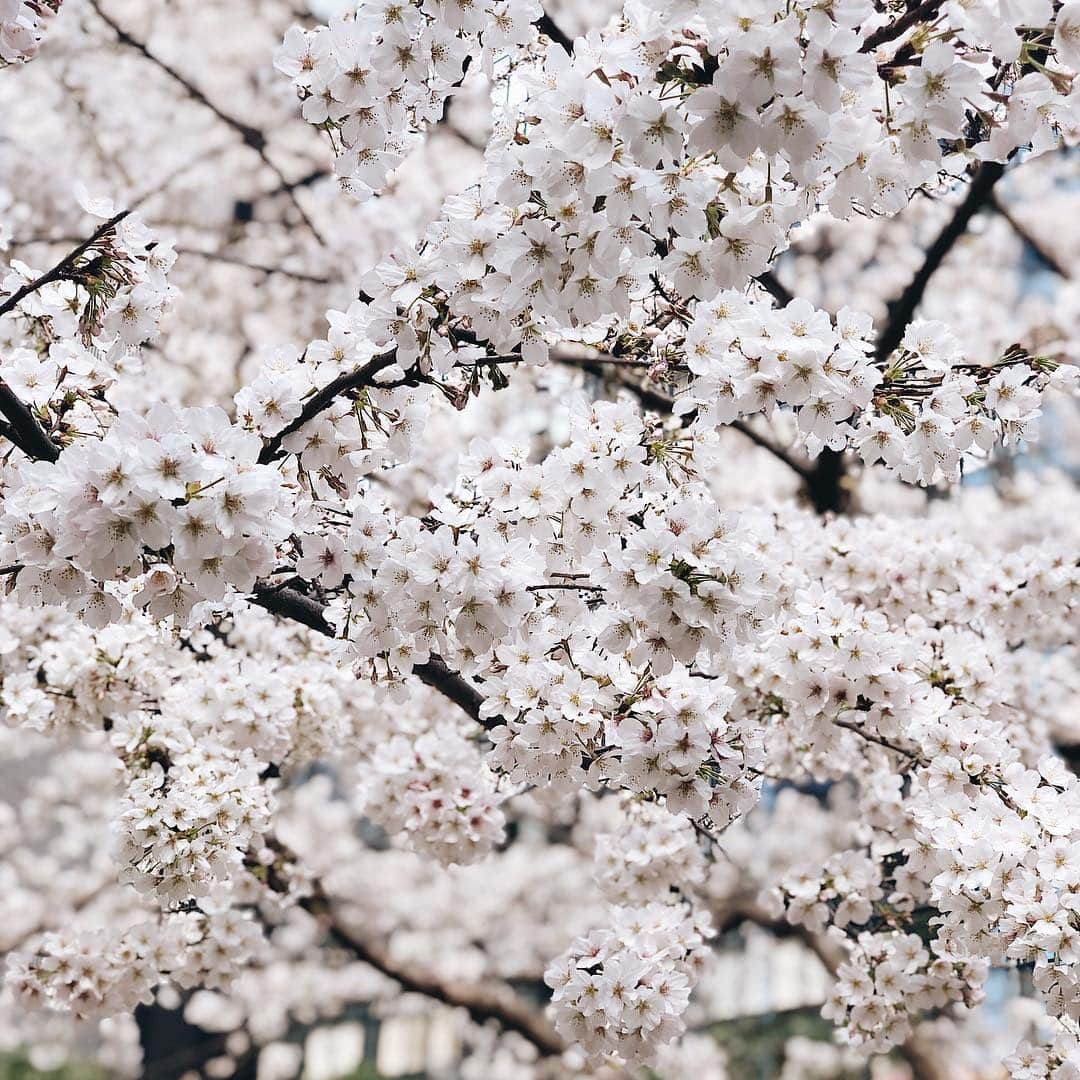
824, 482
23, 430
324, 398
484, 1003
775, 288
827, 486
547, 25
734, 912
902, 310
289, 603
63, 269
250, 135
452, 686
743, 428
916, 13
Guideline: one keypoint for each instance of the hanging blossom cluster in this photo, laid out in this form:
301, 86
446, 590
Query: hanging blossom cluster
918, 410
584, 591
22, 26
999, 842
103, 972
377, 76
620, 992
191, 809
653, 852
891, 977
198, 738
434, 790
668, 158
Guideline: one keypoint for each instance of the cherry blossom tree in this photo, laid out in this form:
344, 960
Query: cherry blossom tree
496, 501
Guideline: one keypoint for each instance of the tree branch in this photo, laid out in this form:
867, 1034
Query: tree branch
22, 428
916, 13
324, 398
902, 310
879, 740
738, 910
483, 1003
827, 487
775, 288
235, 260
1041, 252
62, 270
289, 603
546, 25
250, 135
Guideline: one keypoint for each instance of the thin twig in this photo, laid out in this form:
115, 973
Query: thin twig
250, 135
235, 260
62, 269
880, 740
1041, 252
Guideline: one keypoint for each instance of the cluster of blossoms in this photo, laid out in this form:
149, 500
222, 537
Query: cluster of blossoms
965, 820
171, 499
111, 295
584, 591
108, 972
998, 844
891, 977
680, 148
64, 344
191, 810
1028, 595
377, 76
22, 26
941, 630
622, 990
597, 612
435, 790
653, 852
840, 893
918, 410
1058, 1061
351, 437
